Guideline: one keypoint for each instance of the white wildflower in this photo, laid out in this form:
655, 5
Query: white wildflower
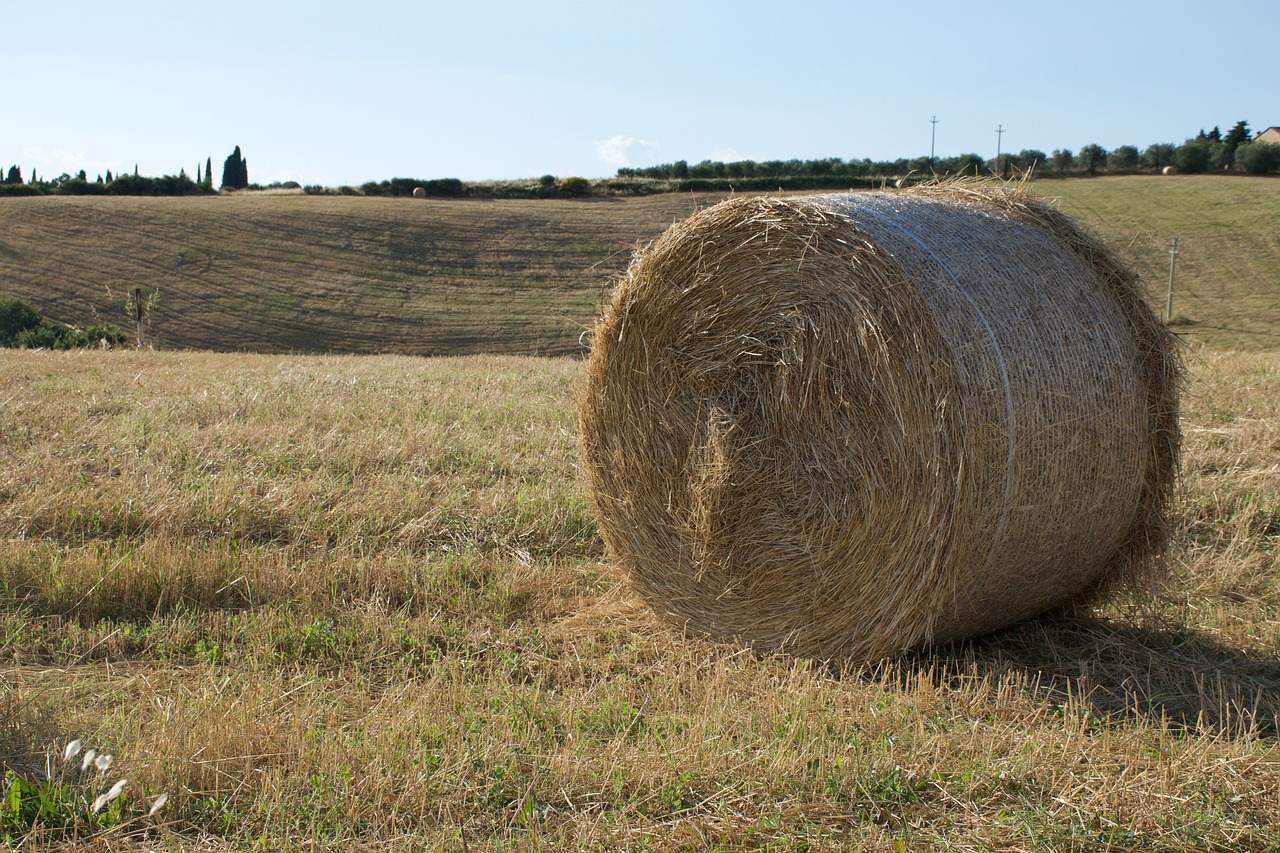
116, 790
158, 804
88, 759
72, 750
104, 763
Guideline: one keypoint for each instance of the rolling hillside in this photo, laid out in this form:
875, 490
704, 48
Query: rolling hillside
1227, 289
282, 273
294, 273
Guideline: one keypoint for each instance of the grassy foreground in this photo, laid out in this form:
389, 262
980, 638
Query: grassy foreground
287, 273
358, 603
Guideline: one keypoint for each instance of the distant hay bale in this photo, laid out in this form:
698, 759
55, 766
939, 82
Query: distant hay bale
1169, 170
419, 192
844, 426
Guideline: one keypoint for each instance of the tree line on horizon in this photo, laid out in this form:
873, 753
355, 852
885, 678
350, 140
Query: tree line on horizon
1212, 151
1206, 152
235, 175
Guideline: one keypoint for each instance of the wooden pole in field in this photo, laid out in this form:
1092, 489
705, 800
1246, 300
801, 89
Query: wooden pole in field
137, 307
1173, 262
999, 140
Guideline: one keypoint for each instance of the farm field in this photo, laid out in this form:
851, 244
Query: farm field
357, 602
1227, 289
294, 273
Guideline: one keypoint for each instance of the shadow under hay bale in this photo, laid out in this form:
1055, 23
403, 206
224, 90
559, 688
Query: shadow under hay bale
849, 425
1146, 669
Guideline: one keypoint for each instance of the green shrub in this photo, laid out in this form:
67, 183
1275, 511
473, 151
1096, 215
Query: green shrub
104, 333
1125, 158
16, 317
1029, 159
1193, 156
445, 187
76, 186
575, 187
50, 336
515, 190
21, 326
1258, 158
1159, 155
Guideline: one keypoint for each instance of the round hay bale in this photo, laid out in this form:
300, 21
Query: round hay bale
1169, 170
419, 192
845, 426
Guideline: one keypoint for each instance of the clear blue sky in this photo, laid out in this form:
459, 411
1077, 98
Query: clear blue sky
334, 93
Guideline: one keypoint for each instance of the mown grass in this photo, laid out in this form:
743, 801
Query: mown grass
294, 273
358, 603
1228, 267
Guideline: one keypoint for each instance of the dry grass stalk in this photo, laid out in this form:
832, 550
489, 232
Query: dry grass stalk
845, 426
386, 692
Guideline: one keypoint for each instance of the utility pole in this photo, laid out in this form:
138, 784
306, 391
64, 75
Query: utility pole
999, 139
1173, 262
933, 133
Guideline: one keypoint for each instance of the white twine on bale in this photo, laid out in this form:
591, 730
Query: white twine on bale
869, 209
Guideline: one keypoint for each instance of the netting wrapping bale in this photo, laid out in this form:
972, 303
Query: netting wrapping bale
844, 426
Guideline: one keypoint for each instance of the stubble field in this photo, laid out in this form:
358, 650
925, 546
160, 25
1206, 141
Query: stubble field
358, 602
265, 272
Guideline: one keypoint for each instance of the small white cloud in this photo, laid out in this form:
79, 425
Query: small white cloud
51, 162
628, 151
727, 155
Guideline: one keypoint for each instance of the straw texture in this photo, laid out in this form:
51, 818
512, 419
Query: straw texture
844, 426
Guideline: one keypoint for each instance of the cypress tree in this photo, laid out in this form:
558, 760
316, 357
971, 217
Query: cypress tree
208, 172
235, 172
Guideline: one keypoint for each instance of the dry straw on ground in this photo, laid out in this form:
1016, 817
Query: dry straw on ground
848, 425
